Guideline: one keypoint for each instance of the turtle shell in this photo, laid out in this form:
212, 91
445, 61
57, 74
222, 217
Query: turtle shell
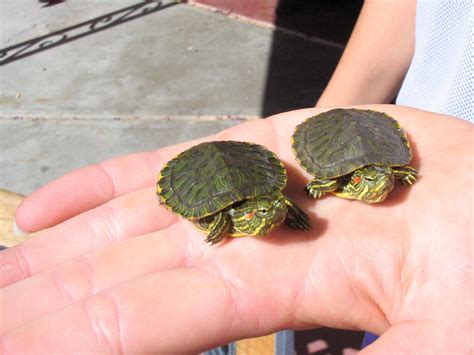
337, 142
214, 175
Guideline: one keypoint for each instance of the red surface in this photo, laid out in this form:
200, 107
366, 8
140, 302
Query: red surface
262, 10
329, 20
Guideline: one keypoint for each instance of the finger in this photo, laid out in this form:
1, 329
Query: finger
88, 275
89, 187
127, 216
152, 314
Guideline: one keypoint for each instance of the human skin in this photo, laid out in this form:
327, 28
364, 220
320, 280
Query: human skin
377, 56
116, 272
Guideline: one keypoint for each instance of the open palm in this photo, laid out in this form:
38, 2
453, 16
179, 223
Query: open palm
123, 274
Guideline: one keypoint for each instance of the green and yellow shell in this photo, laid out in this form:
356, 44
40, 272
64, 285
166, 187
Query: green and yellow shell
337, 142
214, 175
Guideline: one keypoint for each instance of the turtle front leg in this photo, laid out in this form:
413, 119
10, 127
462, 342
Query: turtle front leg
406, 174
296, 218
217, 225
317, 188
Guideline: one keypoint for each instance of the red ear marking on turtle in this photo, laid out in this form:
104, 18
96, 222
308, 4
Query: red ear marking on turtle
249, 215
357, 179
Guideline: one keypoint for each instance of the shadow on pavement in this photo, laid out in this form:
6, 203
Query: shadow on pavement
51, 2
298, 72
83, 29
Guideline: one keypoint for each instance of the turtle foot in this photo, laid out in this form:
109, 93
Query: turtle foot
317, 188
218, 226
406, 175
296, 218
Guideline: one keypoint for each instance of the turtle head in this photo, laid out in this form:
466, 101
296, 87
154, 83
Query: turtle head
370, 184
257, 216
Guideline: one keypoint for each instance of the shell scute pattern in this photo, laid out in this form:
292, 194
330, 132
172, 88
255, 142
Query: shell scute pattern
339, 141
212, 176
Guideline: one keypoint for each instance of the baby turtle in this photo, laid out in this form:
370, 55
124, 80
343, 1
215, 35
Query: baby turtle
354, 154
229, 188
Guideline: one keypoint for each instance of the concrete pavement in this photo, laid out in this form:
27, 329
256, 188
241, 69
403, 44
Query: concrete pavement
35, 151
85, 81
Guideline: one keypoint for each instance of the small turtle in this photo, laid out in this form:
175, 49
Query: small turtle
229, 188
354, 154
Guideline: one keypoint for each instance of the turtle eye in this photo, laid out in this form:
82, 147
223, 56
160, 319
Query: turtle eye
369, 178
263, 210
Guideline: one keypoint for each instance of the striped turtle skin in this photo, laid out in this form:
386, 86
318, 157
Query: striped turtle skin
229, 188
354, 154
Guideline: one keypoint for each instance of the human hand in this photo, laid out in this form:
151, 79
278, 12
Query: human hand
123, 274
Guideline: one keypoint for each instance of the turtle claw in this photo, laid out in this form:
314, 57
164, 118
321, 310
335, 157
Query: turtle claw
317, 188
299, 223
408, 180
212, 241
406, 175
314, 192
218, 228
296, 217
214, 238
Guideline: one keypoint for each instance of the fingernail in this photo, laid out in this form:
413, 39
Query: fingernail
18, 232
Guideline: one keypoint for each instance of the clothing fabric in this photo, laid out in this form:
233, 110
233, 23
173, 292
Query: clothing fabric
369, 338
441, 76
